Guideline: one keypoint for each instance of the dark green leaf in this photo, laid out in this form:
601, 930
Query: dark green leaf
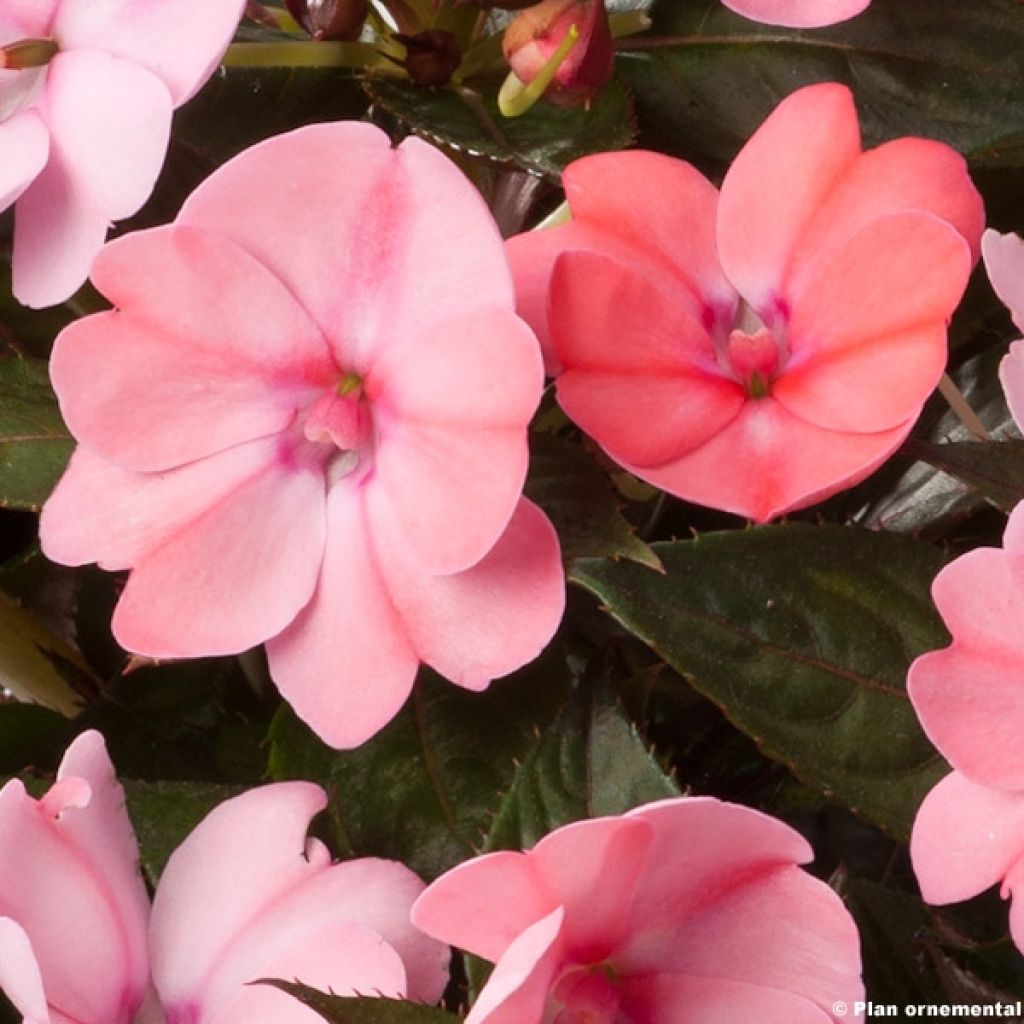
802, 635
422, 791
992, 468
34, 443
543, 140
164, 813
944, 69
590, 763
241, 106
579, 498
364, 1009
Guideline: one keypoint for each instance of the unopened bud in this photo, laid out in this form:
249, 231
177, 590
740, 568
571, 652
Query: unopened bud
27, 53
431, 58
330, 19
565, 46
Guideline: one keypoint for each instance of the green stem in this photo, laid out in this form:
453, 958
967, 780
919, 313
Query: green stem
304, 55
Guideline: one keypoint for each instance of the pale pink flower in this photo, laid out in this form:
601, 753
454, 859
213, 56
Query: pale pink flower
969, 831
1004, 261
305, 423
245, 897
758, 350
686, 911
798, 13
84, 135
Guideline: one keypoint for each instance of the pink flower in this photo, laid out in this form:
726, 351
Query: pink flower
798, 13
305, 423
84, 130
686, 911
228, 911
969, 831
759, 350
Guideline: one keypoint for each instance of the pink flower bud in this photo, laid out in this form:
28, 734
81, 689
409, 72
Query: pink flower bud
539, 35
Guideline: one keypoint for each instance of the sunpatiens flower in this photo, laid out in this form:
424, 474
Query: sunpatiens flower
687, 911
246, 897
798, 13
969, 832
758, 350
305, 423
86, 93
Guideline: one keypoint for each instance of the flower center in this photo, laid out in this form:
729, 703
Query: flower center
754, 354
340, 423
587, 995
22, 71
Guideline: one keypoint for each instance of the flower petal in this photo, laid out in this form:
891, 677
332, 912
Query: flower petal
345, 664
19, 974
1011, 376
482, 623
207, 350
639, 373
451, 406
900, 176
776, 184
518, 986
868, 334
110, 122
968, 696
482, 904
1004, 261
593, 868
685, 999
180, 43
374, 261
25, 143
232, 577
28, 18
966, 838
768, 461
260, 908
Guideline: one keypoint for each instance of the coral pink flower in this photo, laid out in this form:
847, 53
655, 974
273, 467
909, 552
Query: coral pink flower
686, 911
84, 132
798, 13
758, 350
305, 423
228, 911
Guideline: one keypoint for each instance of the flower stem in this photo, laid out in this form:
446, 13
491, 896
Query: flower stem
967, 416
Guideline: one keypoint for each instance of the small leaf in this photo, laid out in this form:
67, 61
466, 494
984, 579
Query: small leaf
994, 469
543, 140
363, 1009
590, 763
37, 665
943, 69
803, 636
423, 789
164, 813
34, 443
565, 481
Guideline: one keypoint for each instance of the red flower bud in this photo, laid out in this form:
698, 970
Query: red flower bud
431, 58
541, 36
330, 19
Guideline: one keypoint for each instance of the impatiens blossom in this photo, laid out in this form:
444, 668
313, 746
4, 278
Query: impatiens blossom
798, 13
686, 911
759, 349
84, 127
969, 832
246, 897
305, 423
